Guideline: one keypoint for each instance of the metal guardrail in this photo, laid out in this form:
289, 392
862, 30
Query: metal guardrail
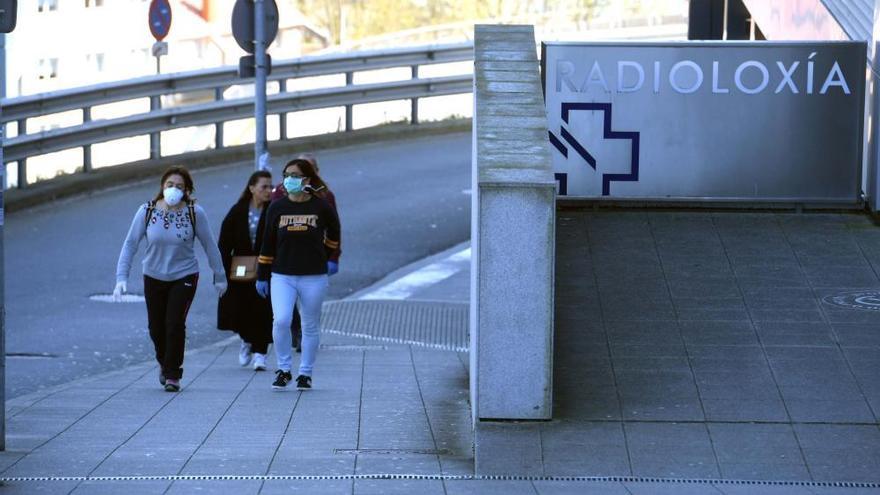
26, 145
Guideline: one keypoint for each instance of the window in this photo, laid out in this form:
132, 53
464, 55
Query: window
47, 5
96, 61
47, 68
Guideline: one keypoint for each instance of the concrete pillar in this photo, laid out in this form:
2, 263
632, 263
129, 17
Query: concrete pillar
737, 22
706, 20
872, 104
513, 231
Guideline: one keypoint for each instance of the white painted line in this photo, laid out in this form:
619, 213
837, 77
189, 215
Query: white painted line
124, 298
429, 275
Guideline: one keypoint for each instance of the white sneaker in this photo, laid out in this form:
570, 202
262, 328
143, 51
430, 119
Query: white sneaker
259, 362
244, 354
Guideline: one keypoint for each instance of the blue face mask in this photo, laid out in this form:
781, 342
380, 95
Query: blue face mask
293, 185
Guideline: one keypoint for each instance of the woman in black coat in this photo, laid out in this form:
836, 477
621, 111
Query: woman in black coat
241, 309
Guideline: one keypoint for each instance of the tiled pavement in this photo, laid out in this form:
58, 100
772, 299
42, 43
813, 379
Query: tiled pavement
698, 345
694, 353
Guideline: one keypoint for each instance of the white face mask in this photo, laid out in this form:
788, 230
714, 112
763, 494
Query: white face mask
172, 195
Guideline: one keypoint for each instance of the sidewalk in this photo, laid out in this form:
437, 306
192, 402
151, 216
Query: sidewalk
387, 417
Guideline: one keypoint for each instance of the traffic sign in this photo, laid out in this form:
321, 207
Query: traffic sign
160, 18
243, 23
247, 66
8, 11
160, 48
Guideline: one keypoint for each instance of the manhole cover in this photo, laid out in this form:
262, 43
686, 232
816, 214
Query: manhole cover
124, 298
358, 348
31, 355
862, 299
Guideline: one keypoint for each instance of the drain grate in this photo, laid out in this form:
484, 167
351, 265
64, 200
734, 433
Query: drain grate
397, 452
863, 299
452, 477
441, 325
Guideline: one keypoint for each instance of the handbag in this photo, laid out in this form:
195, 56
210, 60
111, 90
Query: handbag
243, 269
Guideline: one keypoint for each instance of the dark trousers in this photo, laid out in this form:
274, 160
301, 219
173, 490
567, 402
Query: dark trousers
167, 306
258, 340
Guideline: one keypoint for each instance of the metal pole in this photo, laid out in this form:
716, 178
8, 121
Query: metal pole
218, 127
414, 111
22, 130
260, 81
155, 142
349, 109
282, 117
2, 255
87, 149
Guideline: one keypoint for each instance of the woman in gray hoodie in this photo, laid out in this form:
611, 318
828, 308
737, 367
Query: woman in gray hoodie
171, 222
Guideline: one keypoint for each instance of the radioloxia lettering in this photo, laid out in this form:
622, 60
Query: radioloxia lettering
750, 77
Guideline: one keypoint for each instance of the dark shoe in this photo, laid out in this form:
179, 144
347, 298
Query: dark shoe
299, 348
172, 385
303, 382
282, 378
161, 378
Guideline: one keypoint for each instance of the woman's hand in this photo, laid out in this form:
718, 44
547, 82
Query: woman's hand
332, 267
220, 287
263, 288
121, 287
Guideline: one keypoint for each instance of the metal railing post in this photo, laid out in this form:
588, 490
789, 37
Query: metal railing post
155, 141
282, 117
87, 149
218, 127
22, 163
414, 112
349, 109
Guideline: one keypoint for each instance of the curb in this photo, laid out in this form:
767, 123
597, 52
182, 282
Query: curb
105, 177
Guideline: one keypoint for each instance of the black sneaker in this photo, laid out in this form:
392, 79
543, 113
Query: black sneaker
282, 378
303, 382
161, 378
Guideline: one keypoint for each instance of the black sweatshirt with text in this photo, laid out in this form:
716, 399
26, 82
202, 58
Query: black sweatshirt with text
299, 238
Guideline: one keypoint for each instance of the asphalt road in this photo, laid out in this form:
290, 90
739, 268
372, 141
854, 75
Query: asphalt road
399, 201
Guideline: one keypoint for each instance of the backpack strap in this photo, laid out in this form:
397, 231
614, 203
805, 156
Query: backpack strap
151, 206
191, 209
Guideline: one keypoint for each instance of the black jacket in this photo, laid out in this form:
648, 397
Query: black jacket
241, 309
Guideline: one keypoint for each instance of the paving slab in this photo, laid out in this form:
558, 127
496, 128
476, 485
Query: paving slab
711, 344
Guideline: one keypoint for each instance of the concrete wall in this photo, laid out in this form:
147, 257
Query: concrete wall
513, 231
872, 108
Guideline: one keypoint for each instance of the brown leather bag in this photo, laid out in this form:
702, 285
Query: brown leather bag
243, 269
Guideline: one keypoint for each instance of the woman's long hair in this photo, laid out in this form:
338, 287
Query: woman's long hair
246, 195
308, 170
188, 187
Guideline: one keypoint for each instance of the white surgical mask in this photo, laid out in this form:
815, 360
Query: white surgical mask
172, 195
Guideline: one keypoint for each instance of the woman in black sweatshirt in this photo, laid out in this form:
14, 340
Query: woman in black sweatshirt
302, 235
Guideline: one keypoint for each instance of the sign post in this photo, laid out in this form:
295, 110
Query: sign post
254, 26
8, 11
160, 23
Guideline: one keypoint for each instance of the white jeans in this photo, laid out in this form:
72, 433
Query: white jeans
286, 290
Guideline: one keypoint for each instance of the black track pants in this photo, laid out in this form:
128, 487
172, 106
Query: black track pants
167, 306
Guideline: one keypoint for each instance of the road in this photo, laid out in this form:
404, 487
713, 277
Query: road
399, 201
